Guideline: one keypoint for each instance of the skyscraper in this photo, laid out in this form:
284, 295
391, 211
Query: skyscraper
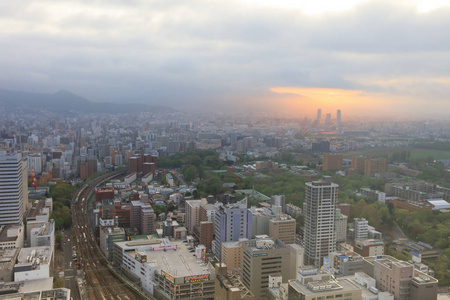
13, 188
319, 115
328, 120
338, 123
320, 210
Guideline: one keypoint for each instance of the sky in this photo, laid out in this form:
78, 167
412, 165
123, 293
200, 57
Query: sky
387, 58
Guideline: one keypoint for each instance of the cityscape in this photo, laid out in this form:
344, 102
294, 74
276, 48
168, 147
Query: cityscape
237, 150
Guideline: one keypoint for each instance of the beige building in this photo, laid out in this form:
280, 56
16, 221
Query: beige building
193, 214
263, 257
400, 278
332, 162
229, 287
231, 255
283, 228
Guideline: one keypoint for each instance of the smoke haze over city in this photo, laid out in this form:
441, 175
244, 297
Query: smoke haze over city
364, 57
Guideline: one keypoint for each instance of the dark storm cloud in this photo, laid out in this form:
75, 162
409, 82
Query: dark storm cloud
191, 52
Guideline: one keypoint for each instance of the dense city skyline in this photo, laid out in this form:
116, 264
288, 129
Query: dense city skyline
364, 57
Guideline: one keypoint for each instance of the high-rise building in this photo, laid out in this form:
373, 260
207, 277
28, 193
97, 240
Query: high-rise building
142, 216
231, 222
193, 214
320, 210
339, 121
13, 188
360, 228
319, 115
328, 120
340, 226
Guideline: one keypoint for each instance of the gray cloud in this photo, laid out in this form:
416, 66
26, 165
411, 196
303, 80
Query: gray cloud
217, 52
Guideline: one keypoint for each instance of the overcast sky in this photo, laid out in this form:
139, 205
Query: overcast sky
252, 54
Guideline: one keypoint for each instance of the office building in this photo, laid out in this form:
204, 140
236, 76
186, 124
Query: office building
283, 227
262, 257
232, 255
231, 222
108, 236
13, 188
319, 210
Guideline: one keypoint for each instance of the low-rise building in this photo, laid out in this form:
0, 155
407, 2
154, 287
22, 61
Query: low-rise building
33, 263
44, 235
369, 247
345, 263
312, 283
166, 270
229, 286
400, 278
7, 261
11, 236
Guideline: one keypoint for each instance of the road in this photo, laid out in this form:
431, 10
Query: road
70, 270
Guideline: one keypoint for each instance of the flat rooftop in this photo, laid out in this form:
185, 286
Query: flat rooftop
341, 284
32, 254
4, 233
178, 263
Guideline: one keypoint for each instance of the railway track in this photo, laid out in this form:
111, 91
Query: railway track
100, 281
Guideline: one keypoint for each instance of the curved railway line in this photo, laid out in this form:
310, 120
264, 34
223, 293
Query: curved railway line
100, 282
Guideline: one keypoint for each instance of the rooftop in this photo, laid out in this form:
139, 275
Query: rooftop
343, 284
34, 256
175, 258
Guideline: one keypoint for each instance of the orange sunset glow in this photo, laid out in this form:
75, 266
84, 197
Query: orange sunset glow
354, 101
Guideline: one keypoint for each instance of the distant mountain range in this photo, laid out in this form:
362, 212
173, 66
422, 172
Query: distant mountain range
67, 102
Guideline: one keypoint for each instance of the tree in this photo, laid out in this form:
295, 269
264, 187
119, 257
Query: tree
59, 237
58, 283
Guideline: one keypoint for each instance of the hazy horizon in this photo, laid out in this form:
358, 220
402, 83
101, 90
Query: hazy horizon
363, 57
